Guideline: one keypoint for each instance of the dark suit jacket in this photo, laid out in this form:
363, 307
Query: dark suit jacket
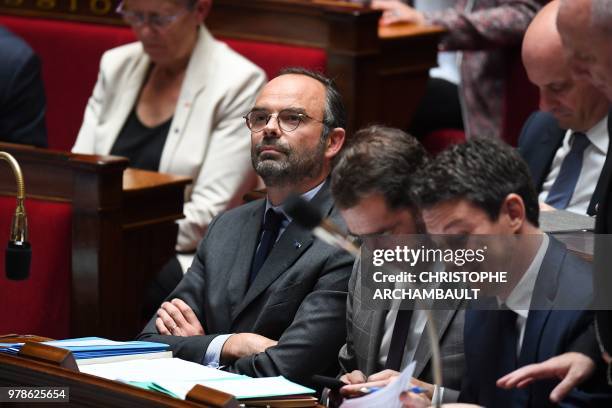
22, 95
298, 297
548, 333
540, 139
365, 329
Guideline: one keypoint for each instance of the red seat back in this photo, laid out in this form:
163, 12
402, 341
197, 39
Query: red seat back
70, 54
273, 57
41, 303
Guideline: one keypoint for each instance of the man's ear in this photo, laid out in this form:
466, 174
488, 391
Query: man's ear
513, 209
202, 8
335, 141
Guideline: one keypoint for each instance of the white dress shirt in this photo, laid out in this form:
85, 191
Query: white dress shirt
592, 164
519, 299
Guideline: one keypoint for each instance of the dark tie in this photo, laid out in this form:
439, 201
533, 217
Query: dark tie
398, 339
271, 227
562, 189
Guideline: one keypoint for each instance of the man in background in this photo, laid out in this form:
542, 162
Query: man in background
371, 185
263, 297
566, 144
22, 94
483, 187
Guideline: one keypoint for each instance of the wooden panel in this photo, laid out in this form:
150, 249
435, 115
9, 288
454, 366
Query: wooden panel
120, 235
84, 389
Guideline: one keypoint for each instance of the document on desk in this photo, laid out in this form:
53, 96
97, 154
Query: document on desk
387, 397
242, 387
157, 370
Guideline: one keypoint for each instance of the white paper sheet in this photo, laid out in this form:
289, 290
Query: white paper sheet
387, 397
242, 387
156, 370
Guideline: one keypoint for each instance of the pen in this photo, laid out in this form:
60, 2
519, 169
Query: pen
369, 390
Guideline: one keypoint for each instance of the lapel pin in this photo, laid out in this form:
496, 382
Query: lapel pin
297, 245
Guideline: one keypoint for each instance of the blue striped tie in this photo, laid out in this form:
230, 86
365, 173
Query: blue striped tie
562, 189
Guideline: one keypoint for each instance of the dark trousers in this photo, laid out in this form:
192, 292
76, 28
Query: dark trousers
160, 288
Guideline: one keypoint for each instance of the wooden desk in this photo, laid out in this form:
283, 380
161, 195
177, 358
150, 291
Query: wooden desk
123, 230
84, 389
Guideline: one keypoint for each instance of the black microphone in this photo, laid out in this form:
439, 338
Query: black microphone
18, 251
309, 217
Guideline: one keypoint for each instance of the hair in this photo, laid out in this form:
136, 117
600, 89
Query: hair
334, 115
601, 15
377, 159
483, 171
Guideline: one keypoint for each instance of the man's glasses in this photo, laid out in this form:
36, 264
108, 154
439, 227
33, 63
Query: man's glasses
153, 20
288, 120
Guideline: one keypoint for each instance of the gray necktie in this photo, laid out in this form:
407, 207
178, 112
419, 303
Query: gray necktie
562, 190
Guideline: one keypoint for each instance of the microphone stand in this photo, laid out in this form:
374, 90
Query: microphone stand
18, 239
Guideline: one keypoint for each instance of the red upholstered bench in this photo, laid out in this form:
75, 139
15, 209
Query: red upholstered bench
40, 304
521, 100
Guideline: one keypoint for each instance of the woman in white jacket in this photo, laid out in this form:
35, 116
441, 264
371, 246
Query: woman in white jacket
173, 102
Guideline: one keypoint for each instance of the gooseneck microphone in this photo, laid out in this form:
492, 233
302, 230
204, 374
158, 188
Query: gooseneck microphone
18, 250
309, 217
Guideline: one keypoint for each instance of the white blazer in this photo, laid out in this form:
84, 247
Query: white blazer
208, 138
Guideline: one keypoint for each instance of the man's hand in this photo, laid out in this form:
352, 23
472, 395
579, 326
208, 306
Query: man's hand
245, 344
394, 11
379, 379
177, 319
412, 400
571, 368
354, 377
546, 207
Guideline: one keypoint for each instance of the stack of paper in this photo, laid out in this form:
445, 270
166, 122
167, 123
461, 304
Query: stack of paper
96, 347
177, 377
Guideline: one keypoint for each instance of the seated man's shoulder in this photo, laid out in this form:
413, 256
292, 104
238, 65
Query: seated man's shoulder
13, 49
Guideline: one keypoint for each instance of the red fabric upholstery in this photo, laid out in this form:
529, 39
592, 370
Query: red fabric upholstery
522, 99
40, 304
273, 57
439, 140
70, 54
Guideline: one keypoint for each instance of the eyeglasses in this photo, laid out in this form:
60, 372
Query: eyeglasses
288, 120
153, 20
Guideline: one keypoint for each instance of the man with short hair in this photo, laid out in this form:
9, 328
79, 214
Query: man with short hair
483, 187
566, 144
262, 297
371, 185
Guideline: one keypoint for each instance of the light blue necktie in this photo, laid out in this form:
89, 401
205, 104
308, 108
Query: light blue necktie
562, 189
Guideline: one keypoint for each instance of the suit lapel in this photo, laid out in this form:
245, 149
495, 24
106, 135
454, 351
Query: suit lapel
551, 141
441, 320
603, 182
376, 333
291, 245
249, 238
542, 301
193, 85
123, 104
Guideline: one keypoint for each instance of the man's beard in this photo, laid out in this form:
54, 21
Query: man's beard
292, 167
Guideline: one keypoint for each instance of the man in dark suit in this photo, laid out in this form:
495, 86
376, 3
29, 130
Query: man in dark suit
483, 187
283, 313
584, 29
22, 95
370, 185
567, 144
